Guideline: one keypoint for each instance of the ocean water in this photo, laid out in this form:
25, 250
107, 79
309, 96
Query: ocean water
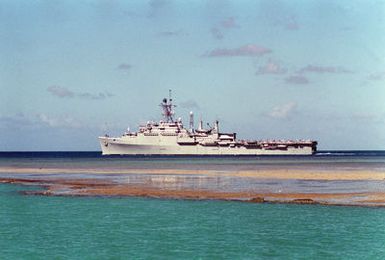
345, 160
110, 167
36, 227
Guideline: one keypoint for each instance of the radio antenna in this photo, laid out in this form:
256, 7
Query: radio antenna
167, 108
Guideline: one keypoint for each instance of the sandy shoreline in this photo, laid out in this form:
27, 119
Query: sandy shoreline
236, 185
262, 174
105, 187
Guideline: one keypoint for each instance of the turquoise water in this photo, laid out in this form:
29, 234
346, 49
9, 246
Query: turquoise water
34, 227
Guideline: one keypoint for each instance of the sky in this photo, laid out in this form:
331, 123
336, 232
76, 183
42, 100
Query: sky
71, 71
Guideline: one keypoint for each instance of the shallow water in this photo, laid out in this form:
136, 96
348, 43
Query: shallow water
354, 160
137, 228
108, 167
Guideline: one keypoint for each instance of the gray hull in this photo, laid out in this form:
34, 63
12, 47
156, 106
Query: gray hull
119, 146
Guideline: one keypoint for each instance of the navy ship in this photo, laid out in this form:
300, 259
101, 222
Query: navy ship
171, 137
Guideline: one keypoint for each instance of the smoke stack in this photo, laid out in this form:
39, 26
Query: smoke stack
216, 126
191, 121
200, 125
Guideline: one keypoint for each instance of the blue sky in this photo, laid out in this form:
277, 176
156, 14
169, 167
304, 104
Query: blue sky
73, 70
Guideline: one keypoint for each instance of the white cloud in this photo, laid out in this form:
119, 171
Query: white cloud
124, 66
271, 67
283, 111
323, 69
229, 23
245, 50
170, 33
61, 92
189, 104
296, 79
15, 121
100, 95
61, 121
21, 121
156, 7
216, 33
377, 76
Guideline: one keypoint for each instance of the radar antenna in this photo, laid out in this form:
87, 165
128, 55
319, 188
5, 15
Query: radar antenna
167, 106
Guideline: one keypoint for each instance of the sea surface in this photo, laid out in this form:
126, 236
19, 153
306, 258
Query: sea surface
61, 227
373, 160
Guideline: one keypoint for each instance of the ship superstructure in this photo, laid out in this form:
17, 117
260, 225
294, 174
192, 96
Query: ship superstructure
170, 137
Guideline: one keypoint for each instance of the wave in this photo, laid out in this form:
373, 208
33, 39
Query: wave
352, 153
335, 154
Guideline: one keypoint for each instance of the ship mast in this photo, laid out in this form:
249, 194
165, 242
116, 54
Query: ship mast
167, 108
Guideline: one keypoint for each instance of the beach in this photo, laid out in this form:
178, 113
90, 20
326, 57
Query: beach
335, 181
